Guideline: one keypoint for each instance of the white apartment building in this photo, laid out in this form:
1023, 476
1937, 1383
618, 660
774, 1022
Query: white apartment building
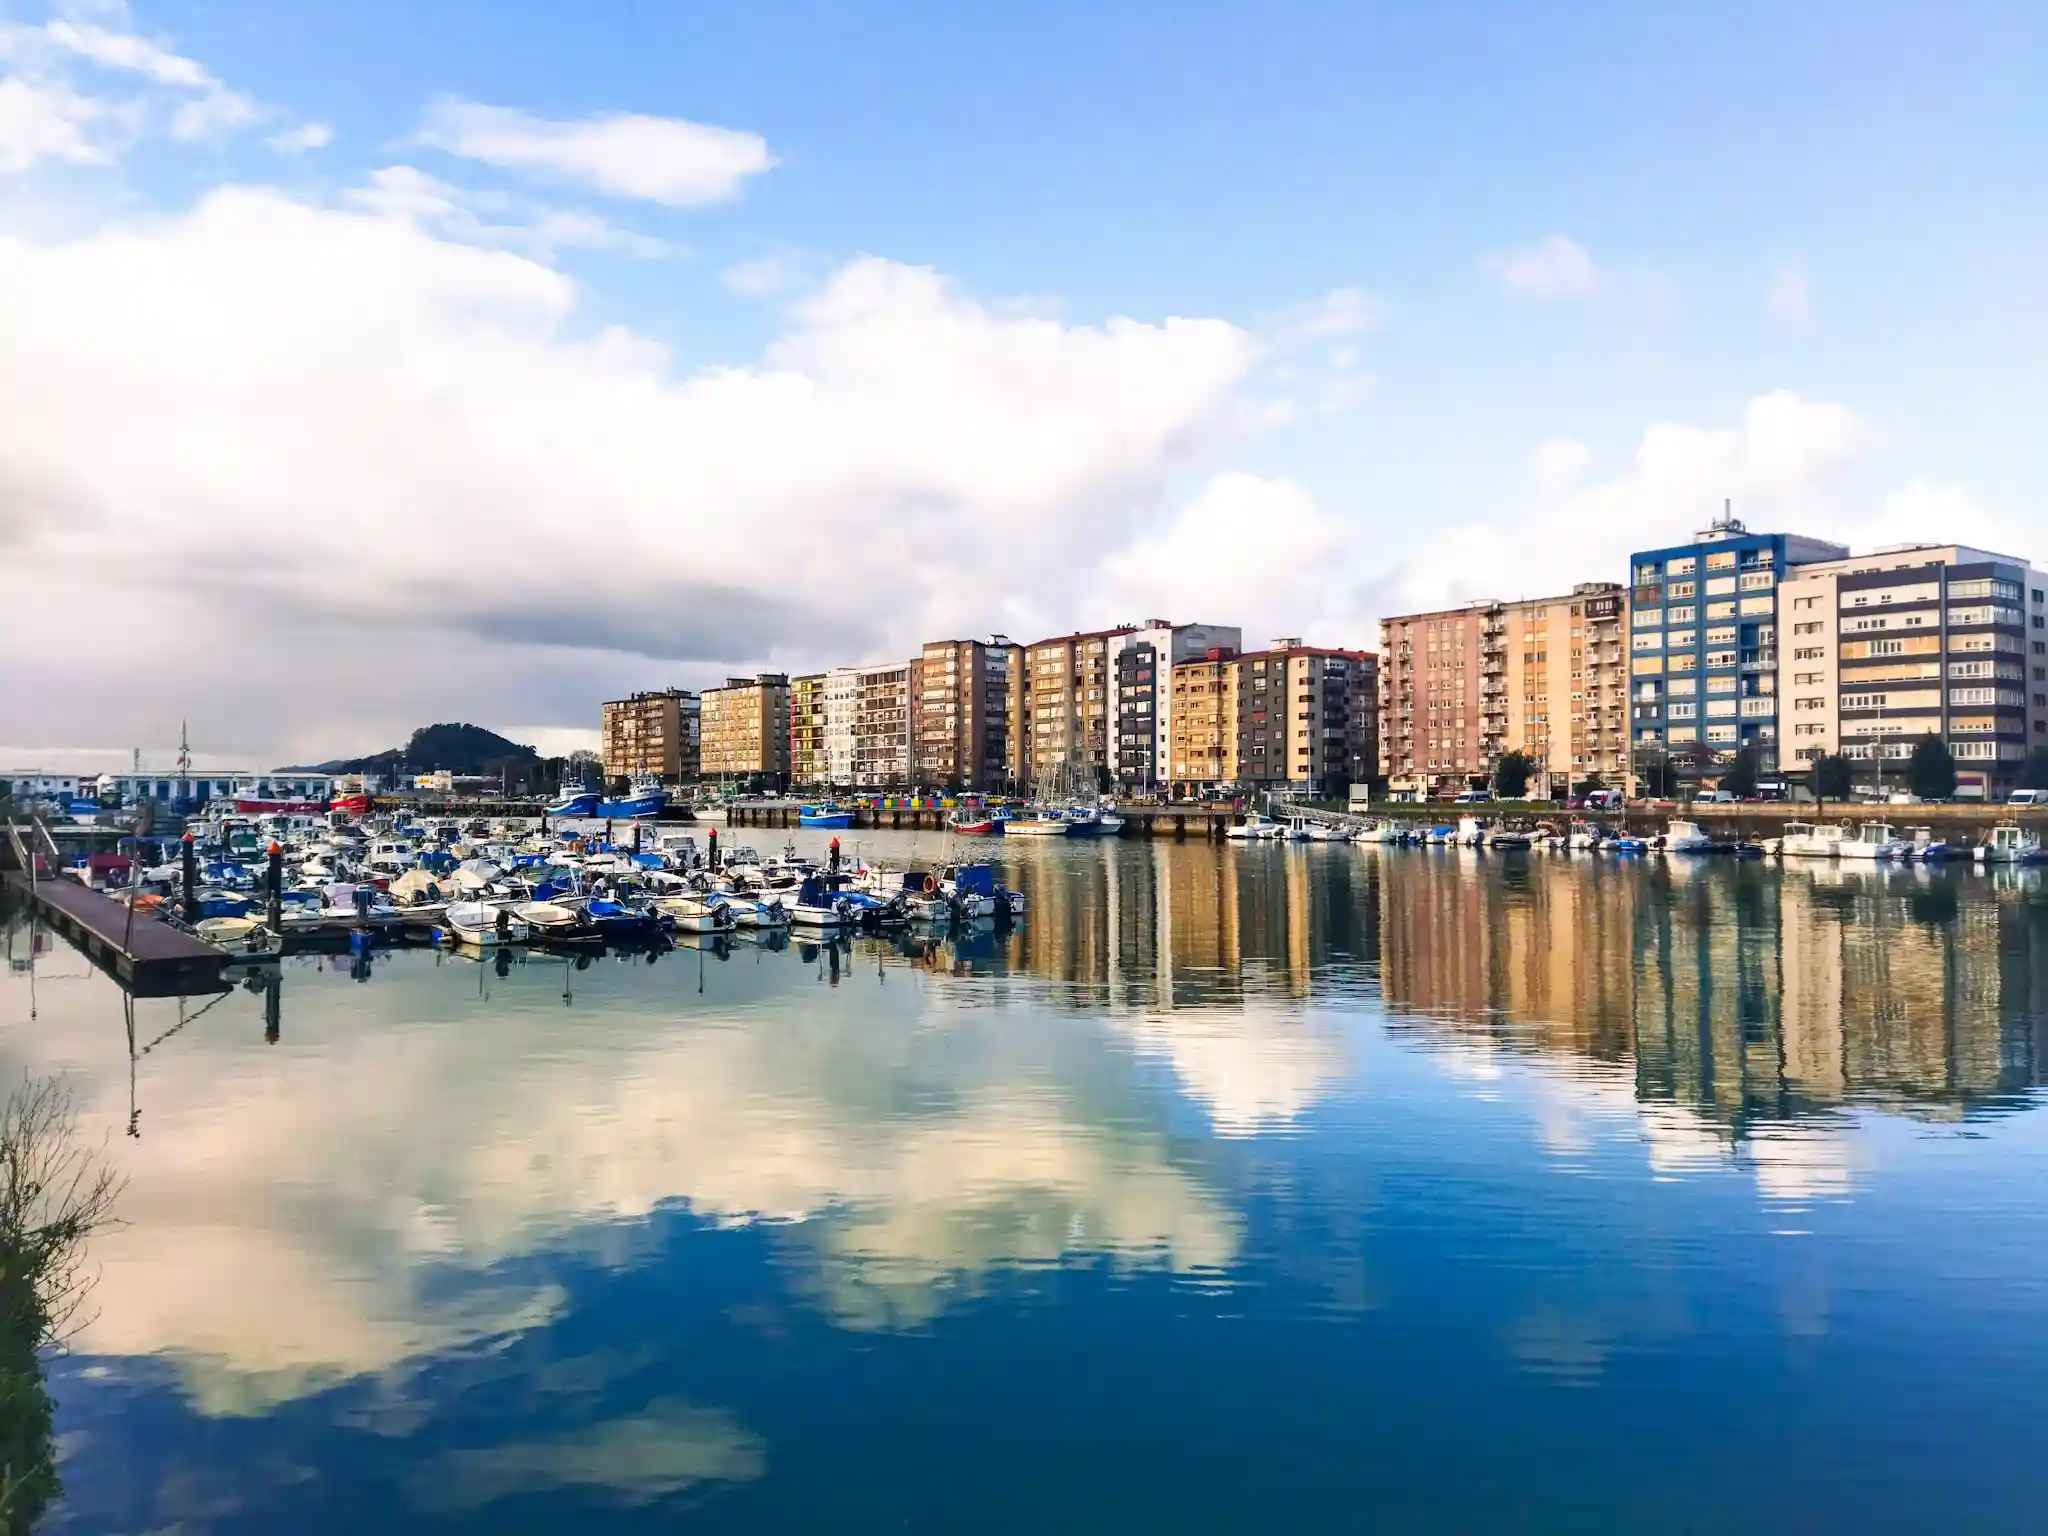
842, 710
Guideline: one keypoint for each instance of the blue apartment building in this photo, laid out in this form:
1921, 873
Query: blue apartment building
1703, 637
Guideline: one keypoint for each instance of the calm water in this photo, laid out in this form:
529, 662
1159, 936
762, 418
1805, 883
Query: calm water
1242, 1189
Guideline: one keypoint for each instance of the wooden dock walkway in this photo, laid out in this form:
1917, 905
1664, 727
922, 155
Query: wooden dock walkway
148, 956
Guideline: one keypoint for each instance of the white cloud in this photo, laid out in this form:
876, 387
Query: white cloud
1789, 299
554, 515
1245, 550
56, 104
1555, 267
1776, 465
47, 122
1340, 312
661, 159
1922, 512
493, 219
299, 140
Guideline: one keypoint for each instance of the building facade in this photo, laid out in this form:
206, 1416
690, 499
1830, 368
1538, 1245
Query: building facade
842, 710
1141, 693
807, 729
966, 714
1307, 717
1566, 671
1443, 697
656, 734
745, 729
1205, 725
1704, 647
1069, 706
1919, 640
883, 756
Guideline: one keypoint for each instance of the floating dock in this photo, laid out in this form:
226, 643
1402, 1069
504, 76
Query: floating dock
149, 957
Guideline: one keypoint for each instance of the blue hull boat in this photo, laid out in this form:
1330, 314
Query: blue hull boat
577, 805
824, 816
634, 807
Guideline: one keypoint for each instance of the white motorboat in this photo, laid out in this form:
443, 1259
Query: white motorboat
817, 907
1923, 847
1808, 840
1871, 840
1686, 837
552, 920
1047, 824
483, 925
1504, 837
1254, 828
697, 914
2009, 843
1583, 837
1469, 834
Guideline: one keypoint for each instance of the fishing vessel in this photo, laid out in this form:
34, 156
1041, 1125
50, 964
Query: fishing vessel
648, 799
1045, 824
836, 817
975, 823
1686, 837
1871, 840
582, 803
482, 926
1807, 840
1254, 828
2009, 843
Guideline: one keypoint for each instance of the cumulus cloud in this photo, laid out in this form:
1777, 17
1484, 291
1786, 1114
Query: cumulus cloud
1555, 267
659, 159
48, 121
1776, 465
404, 482
493, 218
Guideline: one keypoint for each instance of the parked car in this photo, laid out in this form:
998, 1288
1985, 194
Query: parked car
2027, 797
1472, 797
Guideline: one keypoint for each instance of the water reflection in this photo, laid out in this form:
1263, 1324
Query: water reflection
394, 1183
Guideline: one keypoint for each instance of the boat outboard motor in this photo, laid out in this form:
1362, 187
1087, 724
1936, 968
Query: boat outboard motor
504, 922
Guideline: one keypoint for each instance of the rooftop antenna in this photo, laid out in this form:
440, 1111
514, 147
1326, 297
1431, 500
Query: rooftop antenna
184, 758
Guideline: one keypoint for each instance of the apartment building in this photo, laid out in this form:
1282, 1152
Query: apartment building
1069, 704
1703, 646
1913, 641
807, 729
746, 729
967, 713
1142, 663
884, 718
1306, 717
1566, 696
1205, 725
1443, 696
842, 709
655, 733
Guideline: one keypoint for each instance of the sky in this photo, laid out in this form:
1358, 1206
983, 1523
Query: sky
365, 365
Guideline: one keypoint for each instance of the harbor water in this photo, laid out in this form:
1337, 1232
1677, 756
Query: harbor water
1235, 1188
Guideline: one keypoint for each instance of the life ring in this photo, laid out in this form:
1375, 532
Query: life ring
931, 885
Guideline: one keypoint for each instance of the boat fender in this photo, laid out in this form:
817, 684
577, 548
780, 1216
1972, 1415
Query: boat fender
931, 886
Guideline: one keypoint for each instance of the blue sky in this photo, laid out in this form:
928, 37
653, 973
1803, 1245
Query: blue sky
1566, 225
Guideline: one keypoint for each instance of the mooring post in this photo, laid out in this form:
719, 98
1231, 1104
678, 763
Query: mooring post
273, 889
713, 835
835, 855
273, 994
636, 837
189, 873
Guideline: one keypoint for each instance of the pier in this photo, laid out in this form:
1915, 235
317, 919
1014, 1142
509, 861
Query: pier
146, 955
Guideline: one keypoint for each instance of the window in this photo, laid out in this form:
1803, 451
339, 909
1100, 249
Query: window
1684, 567
1808, 702
1680, 589
1808, 629
1887, 647
1721, 586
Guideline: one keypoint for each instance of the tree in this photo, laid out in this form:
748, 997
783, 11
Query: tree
1832, 777
1931, 772
2035, 774
1511, 774
1589, 784
1740, 779
585, 767
1659, 778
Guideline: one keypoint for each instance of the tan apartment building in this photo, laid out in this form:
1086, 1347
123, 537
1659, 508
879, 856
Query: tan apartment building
807, 762
1205, 725
654, 733
1566, 670
1307, 716
1917, 640
746, 729
884, 716
968, 713
1069, 704
1443, 696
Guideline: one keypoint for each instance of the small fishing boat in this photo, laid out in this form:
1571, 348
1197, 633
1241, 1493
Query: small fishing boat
698, 914
482, 925
648, 800
1628, 845
1510, 837
975, 823
557, 924
1871, 840
1808, 840
1923, 847
2009, 843
836, 817
1254, 828
1470, 834
1044, 824
581, 804
818, 907
1686, 837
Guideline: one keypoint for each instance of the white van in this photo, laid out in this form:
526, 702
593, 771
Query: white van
2027, 797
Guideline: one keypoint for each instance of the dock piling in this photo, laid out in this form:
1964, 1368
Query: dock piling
189, 877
